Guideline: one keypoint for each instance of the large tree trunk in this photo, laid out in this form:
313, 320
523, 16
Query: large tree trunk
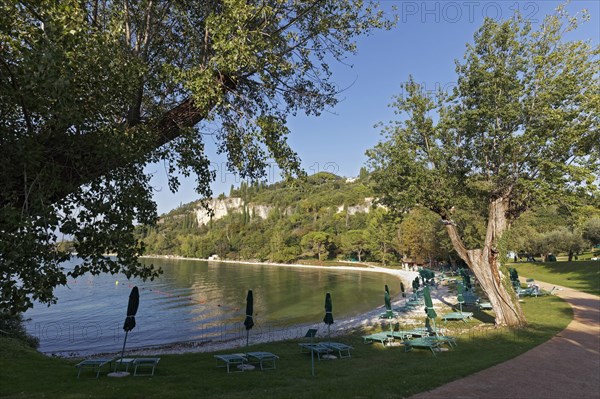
484, 264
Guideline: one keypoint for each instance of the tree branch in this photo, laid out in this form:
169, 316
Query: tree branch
62, 152
457, 242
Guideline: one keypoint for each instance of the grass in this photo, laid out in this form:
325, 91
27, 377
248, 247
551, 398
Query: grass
373, 371
583, 275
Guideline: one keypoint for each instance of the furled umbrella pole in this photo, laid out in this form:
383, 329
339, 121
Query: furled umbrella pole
328, 319
132, 308
249, 321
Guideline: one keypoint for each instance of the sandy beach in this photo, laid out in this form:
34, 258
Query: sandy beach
340, 327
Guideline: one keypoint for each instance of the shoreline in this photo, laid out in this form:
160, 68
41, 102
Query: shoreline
363, 265
258, 335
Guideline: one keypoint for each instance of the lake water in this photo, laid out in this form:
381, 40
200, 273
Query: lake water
196, 301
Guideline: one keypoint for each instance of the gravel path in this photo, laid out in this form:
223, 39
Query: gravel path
566, 366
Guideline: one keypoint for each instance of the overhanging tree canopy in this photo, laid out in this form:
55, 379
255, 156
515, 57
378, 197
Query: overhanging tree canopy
520, 129
91, 91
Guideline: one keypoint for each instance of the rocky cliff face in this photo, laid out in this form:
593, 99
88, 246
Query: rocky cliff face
223, 207
361, 208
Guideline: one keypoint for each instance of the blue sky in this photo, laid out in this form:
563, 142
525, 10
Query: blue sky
429, 36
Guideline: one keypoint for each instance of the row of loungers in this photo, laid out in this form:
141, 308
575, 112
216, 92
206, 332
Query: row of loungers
139, 364
327, 348
264, 360
235, 362
420, 338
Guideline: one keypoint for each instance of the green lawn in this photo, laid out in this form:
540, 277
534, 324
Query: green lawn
372, 372
583, 275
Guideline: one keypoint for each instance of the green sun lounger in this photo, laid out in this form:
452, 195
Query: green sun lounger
316, 348
422, 343
435, 334
457, 316
343, 350
234, 359
94, 364
141, 363
399, 334
265, 360
380, 337
443, 339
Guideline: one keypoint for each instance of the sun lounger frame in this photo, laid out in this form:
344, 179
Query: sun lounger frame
343, 350
381, 337
94, 364
265, 360
145, 363
463, 316
316, 348
422, 343
232, 359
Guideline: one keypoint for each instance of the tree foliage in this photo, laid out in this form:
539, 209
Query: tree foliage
591, 230
355, 242
317, 243
519, 130
91, 91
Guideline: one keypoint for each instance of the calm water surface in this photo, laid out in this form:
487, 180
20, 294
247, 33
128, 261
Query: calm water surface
197, 301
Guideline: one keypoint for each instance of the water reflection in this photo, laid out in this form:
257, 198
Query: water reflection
196, 301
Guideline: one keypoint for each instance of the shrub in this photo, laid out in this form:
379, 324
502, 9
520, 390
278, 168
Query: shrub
12, 327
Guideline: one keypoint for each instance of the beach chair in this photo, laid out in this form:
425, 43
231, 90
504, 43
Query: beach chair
432, 334
422, 343
401, 335
460, 315
533, 290
126, 361
470, 298
343, 350
94, 364
265, 360
316, 348
381, 337
141, 363
234, 359
456, 316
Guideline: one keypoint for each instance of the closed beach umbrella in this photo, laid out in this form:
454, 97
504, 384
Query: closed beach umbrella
389, 313
460, 297
249, 322
132, 308
416, 284
328, 319
467, 279
403, 290
431, 314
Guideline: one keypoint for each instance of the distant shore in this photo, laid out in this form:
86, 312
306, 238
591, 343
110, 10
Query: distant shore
363, 266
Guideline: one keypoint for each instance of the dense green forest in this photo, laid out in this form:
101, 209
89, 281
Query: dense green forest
329, 217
